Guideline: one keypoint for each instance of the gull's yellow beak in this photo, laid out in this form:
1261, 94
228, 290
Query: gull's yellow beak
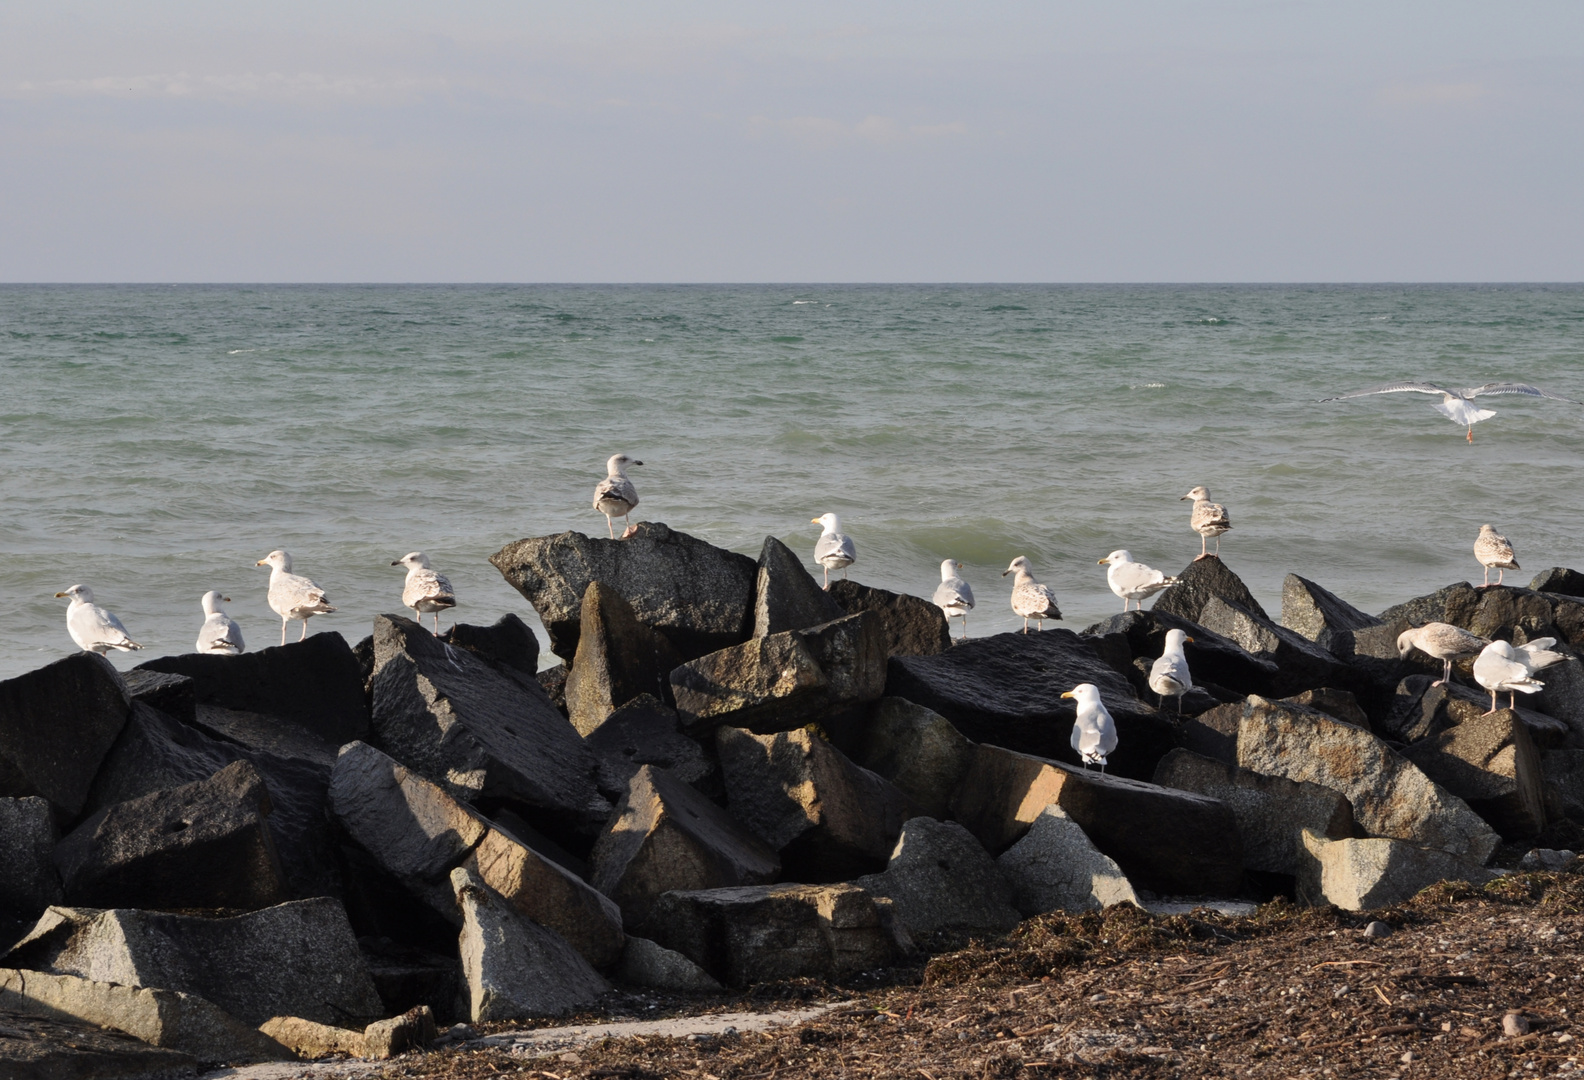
1102, 562
59, 595
1068, 694
1187, 639
226, 599
814, 521
260, 562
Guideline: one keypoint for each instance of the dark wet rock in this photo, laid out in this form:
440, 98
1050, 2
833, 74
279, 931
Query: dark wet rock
1212, 658
1559, 580
1301, 664
1272, 812
765, 933
828, 818
56, 725
645, 963
172, 694
1214, 732
1433, 607
552, 680
1203, 579
1564, 772
315, 683
1490, 763
406, 977
484, 737
201, 845
52, 1048
1335, 703
1563, 696
698, 595
786, 680
618, 658
913, 626
1499, 611
1165, 840
507, 643
364, 651
1321, 616
29, 882
299, 958
786, 596
664, 835
918, 750
940, 877
1421, 710
645, 732
1006, 690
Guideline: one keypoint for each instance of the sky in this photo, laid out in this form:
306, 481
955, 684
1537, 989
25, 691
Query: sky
864, 141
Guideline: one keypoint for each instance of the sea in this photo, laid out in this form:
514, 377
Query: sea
159, 440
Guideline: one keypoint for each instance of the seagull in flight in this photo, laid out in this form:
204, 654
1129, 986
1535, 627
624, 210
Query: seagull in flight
1458, 405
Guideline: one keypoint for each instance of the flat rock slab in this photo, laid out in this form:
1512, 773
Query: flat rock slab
1007, 689
56, 725
1360, 875
40, 1048
911, 625
28, 878
698, 595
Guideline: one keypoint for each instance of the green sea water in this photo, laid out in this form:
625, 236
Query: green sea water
160, 440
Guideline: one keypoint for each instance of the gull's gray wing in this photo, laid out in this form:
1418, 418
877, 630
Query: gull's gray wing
1515, 388
835, 545
954, 593
1395, 388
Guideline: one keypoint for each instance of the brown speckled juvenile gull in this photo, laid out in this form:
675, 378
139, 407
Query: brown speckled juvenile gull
1494, 553
615, 495
292, 596
1208, 519
1443, 641
1030, 599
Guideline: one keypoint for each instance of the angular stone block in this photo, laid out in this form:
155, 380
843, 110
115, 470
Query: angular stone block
786, 596
1198, 583
1564, 771
1301, 664
1211, 658
1490, 763
174, 695
1360, 875
645, 732
940, 877
1321, 616
1055, 867
918, 750
550, 895
617, 659
29, 881
309, 1040
1338, 704
37, 1048
507, 643
644, 963
910, 625
56, 725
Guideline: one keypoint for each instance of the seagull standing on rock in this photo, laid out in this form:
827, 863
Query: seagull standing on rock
219, 633
92, 627
834, 550
1133, 580
425, 590
615, 496
1208, 519
1443, 641
1094, 733
1494, 553
1030, 599
1501, 667
292, 596
1169, 676
953, 595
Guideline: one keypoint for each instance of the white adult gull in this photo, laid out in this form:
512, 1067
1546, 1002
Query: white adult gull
1169, 676
1494, 552
1458, 405
615, 496
219, 633
292, 596
1208, 519
1030, 599
834, 550
1094, 733
424, 589
953, 595
1500, 666
1443, 641
1133, 580
92, 627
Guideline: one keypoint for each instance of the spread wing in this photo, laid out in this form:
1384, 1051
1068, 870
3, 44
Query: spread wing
1397, 388
1515, 388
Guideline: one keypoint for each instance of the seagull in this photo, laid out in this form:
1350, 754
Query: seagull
1458, 405
1209, 519
1133, 580
1493, 551
1094, 733
953, 595
615, 496
92, 627
1169, 676
292, 596
219, 633
425, 590
1499, 667
834, 550
1030, 599
1443, 641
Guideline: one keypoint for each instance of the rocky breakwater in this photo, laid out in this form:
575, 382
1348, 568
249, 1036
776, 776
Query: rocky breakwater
734, 775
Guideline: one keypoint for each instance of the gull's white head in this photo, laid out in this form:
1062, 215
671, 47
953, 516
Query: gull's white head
212, 601
413, 560
1084, 694
1502, 649
80, 594
1120, 555
277, 560
1198, 494
1175, 639
949, 568
617, 465
1020, 567
1405, 642
830, 522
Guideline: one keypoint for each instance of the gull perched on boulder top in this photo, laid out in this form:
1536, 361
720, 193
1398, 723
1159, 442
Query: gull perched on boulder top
834, 550
92, 627
1133, 580
1094, 733
1458, 405
953, 595
219, 633
615, 495
292, 596
1494, 553
1499, 667
424, 589
1443, 641
1208, 519
1030, 599
1169, 676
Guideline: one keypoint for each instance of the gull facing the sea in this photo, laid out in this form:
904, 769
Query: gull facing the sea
92, 627
1030, 599
219, 633
834, 550
292, 596
1494, 553
1499, 666
1458, 405
1169, 676
1443, 641
615, 495
953, 595
424, 589
1094, 733
1208, 519
1133, 580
